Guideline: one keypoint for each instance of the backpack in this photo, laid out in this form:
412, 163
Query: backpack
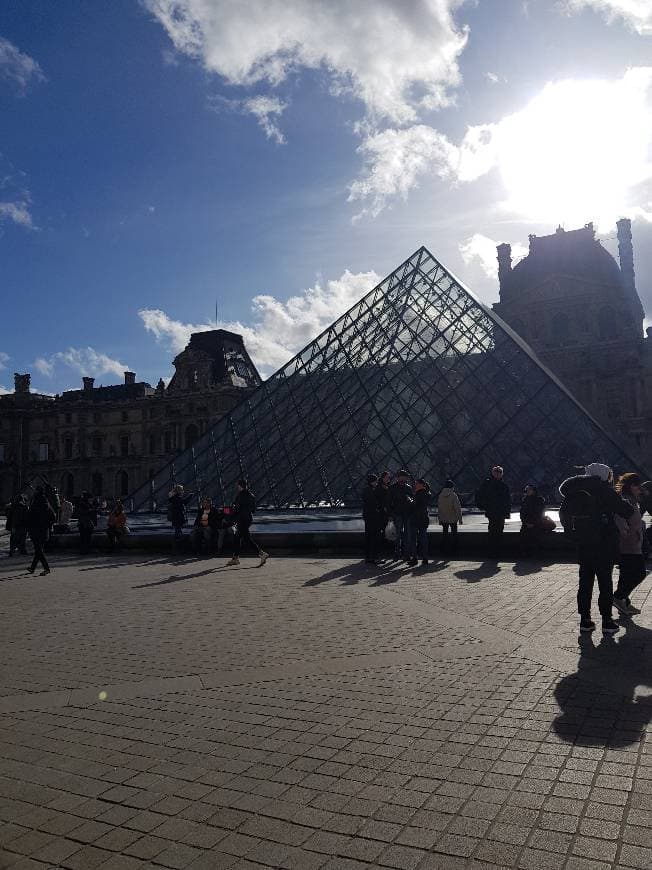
580, 516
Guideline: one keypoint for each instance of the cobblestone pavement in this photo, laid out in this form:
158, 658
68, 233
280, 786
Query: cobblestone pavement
318, 714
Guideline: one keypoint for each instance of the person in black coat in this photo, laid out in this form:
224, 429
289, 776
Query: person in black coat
400, 506
17, 524
419, 522
86, 521
494, 500
243, 516
533, 509
372, 514
39, 519
596, 537
177, 514
207, 526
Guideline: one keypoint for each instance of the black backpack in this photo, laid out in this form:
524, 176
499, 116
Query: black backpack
581, 516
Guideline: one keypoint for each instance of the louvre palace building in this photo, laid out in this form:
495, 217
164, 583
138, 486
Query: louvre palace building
417, 374
111, 439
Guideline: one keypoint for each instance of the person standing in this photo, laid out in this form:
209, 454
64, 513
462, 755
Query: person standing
116, 527
419, 522
177, 514
631, 540
39, 519
17, 524
86, 520
243, 516
587, 515
494, 500
207, 526
449, 512
533, 509
372, 515
400, 505
382, 497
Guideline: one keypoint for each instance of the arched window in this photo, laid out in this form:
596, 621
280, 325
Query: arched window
122, 483
607, 323
192, 434
97, 483
68, 484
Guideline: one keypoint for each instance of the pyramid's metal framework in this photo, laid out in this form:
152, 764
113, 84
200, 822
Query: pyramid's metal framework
418, 375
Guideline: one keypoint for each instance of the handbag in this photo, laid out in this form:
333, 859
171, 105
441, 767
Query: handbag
390, 532
546, 524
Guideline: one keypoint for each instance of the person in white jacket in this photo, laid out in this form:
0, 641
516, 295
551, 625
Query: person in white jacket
449, 511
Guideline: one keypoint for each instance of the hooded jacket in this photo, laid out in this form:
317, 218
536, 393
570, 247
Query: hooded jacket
449, 508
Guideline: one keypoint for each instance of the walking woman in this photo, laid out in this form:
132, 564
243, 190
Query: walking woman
243, 516
39, 519
631, 541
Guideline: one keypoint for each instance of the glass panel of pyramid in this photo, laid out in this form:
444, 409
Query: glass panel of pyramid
417, 375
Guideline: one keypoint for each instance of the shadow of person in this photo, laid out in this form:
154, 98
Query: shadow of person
530, 564
485, 570
178, 578
608, 701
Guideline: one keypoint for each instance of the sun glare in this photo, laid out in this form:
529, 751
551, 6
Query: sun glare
578, 150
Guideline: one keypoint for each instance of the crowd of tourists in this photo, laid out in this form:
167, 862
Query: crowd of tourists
603, 519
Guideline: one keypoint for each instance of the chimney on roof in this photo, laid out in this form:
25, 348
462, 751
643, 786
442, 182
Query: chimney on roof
504, 264
21, 382
130, 377
626, 253
88, 384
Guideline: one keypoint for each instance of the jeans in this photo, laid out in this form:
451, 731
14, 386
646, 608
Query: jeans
17, 541
85, 538
590, 569
402, 543
243, 536
631, 574
205, 535
420, 543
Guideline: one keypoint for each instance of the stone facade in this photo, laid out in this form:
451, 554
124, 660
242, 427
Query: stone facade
580, 312
110, 440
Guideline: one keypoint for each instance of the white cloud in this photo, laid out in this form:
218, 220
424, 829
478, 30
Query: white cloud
493, 78
278, 329
18, 67
636, 13
4, 359
266, 110
18, 212
578, 151
85, 360
482, 249
392, 55
4, 391
394, 160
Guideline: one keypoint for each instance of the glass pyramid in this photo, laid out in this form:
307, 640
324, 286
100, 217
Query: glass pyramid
417, 375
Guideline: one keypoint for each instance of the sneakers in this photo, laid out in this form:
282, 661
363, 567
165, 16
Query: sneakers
621, 605
44, 572
424, 562
233, 561
30, 570
609, 626
587, 624
263, 558
631, 610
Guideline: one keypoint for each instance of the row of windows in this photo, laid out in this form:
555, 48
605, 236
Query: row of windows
563, 326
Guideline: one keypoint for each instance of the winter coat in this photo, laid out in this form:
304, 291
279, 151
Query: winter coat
177, 514
382, 497
400, 499
17, 516
215, 518
494, 499
244, 507
40, 516
631, 531
419, 510
449, 508
602, 545
533, 509
371, 509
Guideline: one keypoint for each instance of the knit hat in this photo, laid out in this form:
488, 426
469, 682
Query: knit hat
597, 469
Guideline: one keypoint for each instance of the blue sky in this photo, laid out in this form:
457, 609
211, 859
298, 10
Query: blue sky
279, 158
